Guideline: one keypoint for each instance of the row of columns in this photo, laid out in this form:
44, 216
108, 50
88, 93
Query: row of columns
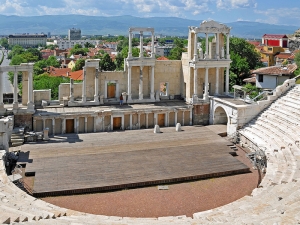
141, 44
141, 91
206, 56
76, 122
30, 104
206, 86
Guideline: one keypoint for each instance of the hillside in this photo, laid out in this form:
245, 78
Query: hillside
59, 24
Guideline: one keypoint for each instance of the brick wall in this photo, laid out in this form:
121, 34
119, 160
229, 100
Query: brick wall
201, 114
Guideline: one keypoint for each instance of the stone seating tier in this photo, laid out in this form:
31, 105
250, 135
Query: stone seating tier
275, 201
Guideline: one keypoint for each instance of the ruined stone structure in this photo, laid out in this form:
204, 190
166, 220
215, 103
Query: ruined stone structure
196, 78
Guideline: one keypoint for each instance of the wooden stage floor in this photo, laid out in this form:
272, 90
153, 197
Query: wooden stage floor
82, 163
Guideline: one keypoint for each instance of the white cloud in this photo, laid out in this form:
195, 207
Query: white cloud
234, 4
280, 16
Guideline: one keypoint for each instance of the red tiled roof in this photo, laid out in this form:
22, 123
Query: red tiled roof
255, 43
77, 75
162, 58
277, 70
57, 71
283, 55
277, 36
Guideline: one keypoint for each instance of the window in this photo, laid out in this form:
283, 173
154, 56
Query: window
164, 89
261, 78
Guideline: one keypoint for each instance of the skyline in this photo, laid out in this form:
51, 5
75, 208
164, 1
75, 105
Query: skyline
267, 11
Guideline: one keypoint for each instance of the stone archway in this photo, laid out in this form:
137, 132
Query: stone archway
220, 116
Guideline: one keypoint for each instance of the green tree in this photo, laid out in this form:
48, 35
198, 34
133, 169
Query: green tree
88, 45
2, 58
79, 51
135, 52
44, 81
251, 90
244, 59
4, 43
35, 52
78, 65
297, 59
106, 63
16, 50
119, 61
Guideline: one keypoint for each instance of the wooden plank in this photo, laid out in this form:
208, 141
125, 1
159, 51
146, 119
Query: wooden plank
96, 162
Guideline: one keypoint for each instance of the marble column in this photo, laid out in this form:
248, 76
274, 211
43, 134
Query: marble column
206, 46
96, 96
1, 94
84, 86
15, 103
191, 116
53, 126
182, 118
217, 81
195, 48
130, 121
63, 126
95, 124
152, 84
76, 124
34, 124
147, 123
141, 44
227, 47
44, 124
218, 46
129, 85
85, 124
152, 44
139, 120
71, 97
176, 114
195, 82
141, 84
205, 96
168, 119
130, 45
30, 104
227, 81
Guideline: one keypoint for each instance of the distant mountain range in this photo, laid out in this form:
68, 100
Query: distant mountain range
100, 25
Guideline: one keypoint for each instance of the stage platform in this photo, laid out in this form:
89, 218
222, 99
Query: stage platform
83, 163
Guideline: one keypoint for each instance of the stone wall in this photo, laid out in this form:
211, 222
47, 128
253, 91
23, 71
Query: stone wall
23, 120
39, 95
6, 127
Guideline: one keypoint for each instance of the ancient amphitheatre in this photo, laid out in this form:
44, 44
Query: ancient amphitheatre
269, 125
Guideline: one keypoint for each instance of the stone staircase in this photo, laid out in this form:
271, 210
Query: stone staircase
17, 137
275, 201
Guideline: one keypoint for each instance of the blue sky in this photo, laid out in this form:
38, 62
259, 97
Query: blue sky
268, 11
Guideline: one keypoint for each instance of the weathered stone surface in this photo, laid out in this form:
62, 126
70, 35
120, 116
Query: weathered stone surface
156, 129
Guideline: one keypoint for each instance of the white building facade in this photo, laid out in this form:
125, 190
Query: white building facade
27, 40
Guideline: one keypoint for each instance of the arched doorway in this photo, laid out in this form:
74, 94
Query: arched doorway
220, 116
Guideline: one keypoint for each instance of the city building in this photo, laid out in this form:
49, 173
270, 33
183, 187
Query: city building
74, 34
275, 40
27, 40
65, 44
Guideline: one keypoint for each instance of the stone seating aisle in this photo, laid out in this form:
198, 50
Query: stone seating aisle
278, 198
17, 206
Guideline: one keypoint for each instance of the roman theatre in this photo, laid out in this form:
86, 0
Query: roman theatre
181, 150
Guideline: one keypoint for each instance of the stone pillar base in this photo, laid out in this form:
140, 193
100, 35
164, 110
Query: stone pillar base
30, 105
141, 96
205, 97
15, 105
152, 96
83, 99
156, 129
178, 127
129, 99
96, 98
